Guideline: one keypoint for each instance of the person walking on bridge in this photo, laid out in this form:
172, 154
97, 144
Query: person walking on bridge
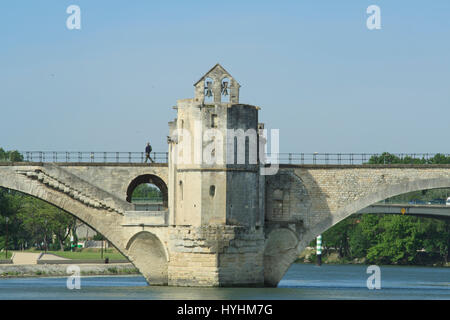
148, 149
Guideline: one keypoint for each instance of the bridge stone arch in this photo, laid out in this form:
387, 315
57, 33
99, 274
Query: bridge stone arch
44, 188
150, 256
149, 178
382, 192
333, 194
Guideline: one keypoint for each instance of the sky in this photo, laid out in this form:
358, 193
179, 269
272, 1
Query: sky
320, 76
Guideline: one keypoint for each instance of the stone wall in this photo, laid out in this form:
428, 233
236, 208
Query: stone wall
215, 256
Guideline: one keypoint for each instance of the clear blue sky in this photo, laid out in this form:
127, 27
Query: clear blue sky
320, 76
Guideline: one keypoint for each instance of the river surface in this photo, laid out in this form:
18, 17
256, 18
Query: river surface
302, 281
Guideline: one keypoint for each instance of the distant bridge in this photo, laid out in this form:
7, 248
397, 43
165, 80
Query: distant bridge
428, 210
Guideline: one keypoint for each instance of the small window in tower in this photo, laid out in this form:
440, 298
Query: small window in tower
214, 121
181, 189
212, 191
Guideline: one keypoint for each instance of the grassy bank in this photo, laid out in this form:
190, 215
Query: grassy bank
88, 254
5, 257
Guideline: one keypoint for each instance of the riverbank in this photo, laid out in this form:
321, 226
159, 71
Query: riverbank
53, 270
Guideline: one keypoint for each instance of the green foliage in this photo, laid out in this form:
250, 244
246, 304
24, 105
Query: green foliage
388, 158
32, 222
98, 237
14, 156
146, 191
390, 239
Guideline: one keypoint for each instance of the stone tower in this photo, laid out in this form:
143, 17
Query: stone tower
216, 192
214, 162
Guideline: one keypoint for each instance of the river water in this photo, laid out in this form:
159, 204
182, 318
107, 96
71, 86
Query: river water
302, 281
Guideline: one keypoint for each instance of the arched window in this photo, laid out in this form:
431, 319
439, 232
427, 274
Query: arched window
148, 193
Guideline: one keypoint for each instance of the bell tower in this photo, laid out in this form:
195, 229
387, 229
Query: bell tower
218, 86
214, 157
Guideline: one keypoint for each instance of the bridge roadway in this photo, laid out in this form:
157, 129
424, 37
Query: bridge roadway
428, 210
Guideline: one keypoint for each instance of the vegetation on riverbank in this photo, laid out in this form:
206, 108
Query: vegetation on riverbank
385, 239
4, 256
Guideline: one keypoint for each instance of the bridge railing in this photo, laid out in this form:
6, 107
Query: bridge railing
358, 158
282, 158
91, 156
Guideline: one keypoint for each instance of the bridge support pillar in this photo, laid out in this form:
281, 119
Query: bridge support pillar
216, 256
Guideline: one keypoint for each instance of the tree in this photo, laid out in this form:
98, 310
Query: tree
43, 220
14, 155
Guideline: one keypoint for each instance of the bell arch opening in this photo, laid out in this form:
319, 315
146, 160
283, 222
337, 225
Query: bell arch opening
148, 193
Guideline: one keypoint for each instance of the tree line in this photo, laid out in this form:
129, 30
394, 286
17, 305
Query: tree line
33, 223
389, 239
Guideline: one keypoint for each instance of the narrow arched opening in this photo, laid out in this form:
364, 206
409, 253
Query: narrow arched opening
148, 193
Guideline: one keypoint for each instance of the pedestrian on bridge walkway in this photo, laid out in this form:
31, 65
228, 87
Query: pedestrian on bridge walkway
148, 149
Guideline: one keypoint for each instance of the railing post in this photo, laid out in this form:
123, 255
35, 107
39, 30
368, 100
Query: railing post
117, 157
290, 158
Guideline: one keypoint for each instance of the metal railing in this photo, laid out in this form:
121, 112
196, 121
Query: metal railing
91, 156
282, 158
356, 158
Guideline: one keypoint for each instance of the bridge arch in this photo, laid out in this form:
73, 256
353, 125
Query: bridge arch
150, 256
275, 268
149, 178
381, 193
98, 219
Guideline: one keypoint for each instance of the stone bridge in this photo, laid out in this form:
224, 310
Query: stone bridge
225, 223
301, 202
